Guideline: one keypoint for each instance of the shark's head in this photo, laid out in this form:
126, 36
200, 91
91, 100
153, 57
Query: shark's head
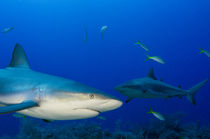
78, 105
97, 102
132, 88
137, 87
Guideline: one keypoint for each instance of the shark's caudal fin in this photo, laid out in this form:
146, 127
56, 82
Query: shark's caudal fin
17, 107
192, 91
150, 110
19, 58
151, 74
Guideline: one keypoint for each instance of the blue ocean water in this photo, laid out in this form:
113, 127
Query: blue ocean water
52, 34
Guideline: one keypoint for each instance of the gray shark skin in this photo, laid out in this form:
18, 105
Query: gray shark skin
150, 87
43, 96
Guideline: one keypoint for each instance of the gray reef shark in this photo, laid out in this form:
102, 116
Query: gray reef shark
150, 87
47, 97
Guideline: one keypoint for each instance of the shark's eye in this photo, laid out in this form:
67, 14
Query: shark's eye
91, 96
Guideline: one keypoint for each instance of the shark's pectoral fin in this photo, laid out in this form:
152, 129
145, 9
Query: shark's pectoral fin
17, 107
128, 99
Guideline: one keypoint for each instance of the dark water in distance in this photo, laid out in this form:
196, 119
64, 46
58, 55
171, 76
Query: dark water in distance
52, 34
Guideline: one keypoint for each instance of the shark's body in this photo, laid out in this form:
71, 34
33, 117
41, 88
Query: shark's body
48, 97
150, 87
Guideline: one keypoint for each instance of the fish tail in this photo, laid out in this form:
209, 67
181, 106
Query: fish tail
148, 57
201, 50
137, 42
150, 110
192, 91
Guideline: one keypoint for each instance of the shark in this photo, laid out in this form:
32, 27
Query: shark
48, 97
150, 87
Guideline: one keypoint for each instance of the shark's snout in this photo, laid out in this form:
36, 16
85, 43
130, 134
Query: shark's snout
119, 88
128, 86
110, 104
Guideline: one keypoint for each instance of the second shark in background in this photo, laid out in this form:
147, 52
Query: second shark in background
150, 87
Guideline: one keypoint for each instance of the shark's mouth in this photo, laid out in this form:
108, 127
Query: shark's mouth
87, 109
102, 107
93, 110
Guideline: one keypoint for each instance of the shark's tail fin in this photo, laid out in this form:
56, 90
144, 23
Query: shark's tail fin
150, 110
192, 91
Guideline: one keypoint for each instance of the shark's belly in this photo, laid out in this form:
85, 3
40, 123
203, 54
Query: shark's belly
59, 112
148, 94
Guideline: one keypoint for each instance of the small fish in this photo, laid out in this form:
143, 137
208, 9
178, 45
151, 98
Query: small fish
101, 118
6, 30
142, 45
156, 114
103, 29
85, 38
204, 51
155, 58
16, 115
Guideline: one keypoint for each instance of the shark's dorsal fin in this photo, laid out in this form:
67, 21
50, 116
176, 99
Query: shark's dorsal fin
151, 74
19, 58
